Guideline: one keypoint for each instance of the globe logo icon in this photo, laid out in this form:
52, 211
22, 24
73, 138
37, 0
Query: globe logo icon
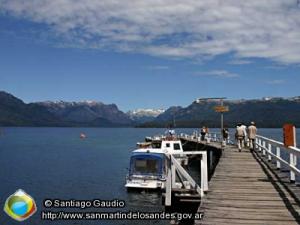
20, 206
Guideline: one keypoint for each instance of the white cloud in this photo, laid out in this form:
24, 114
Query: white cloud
217, 73
275, 82
240, 62
171, 28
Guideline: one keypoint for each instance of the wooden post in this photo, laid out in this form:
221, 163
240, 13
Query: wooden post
210, 159
270, 151
278, 155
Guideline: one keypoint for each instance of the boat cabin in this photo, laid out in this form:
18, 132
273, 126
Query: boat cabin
148, 163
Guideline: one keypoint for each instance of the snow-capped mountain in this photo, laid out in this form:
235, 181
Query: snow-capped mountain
146, 112
86, 111
144, 115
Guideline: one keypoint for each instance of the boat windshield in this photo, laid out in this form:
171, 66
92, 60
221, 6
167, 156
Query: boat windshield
146, 166
156, 145
151, 165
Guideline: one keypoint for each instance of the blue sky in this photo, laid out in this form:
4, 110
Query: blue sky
149, 56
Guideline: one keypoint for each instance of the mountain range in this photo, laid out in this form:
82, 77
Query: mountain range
87, 113
266, 112
14, 112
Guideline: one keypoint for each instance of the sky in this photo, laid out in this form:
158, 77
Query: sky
149, 54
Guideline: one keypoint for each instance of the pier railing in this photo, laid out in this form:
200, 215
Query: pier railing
209, 137
175, 170
273, 151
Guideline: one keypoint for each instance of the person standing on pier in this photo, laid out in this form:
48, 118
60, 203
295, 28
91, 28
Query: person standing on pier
225, 134
206, 130
245, 140
203, 133
252, 130
240, 135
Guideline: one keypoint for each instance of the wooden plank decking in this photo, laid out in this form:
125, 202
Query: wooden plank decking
243, 190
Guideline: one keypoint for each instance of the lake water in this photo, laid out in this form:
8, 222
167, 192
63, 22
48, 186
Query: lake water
54, 163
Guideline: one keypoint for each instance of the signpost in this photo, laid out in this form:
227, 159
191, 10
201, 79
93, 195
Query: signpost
219, 108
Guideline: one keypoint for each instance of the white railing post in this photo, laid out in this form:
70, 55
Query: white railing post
295, 162
256, 143
264, 148
270, 151
278, 155
204, 176
173, 175
168, 196
266, 144
215, 137
186, 175
292, 163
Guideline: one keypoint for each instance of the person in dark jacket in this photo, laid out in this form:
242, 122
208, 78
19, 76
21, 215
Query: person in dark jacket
225, 134
203, 133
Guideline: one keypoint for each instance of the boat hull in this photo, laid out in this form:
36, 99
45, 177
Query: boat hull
145, 184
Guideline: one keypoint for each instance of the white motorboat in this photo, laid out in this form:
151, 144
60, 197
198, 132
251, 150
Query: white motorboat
148, 163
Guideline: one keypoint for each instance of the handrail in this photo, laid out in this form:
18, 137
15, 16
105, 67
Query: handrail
280, 144
209, 137
268, 147
265, 146
175, 168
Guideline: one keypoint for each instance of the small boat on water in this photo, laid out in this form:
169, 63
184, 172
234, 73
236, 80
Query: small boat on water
82, 136
148, 163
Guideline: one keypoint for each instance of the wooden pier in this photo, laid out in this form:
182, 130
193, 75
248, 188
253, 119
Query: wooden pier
251, 187
244, 190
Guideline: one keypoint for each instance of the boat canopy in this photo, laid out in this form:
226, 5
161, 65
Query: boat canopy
143, 163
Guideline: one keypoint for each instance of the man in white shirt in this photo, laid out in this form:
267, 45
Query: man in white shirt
245, 140
252, 130
240, 135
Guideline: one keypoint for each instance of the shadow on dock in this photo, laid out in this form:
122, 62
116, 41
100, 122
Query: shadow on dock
280, 181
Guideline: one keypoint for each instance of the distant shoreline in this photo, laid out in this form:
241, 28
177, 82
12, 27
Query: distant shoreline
1, 127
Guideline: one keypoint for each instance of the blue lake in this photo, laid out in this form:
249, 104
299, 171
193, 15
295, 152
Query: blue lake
54, 163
